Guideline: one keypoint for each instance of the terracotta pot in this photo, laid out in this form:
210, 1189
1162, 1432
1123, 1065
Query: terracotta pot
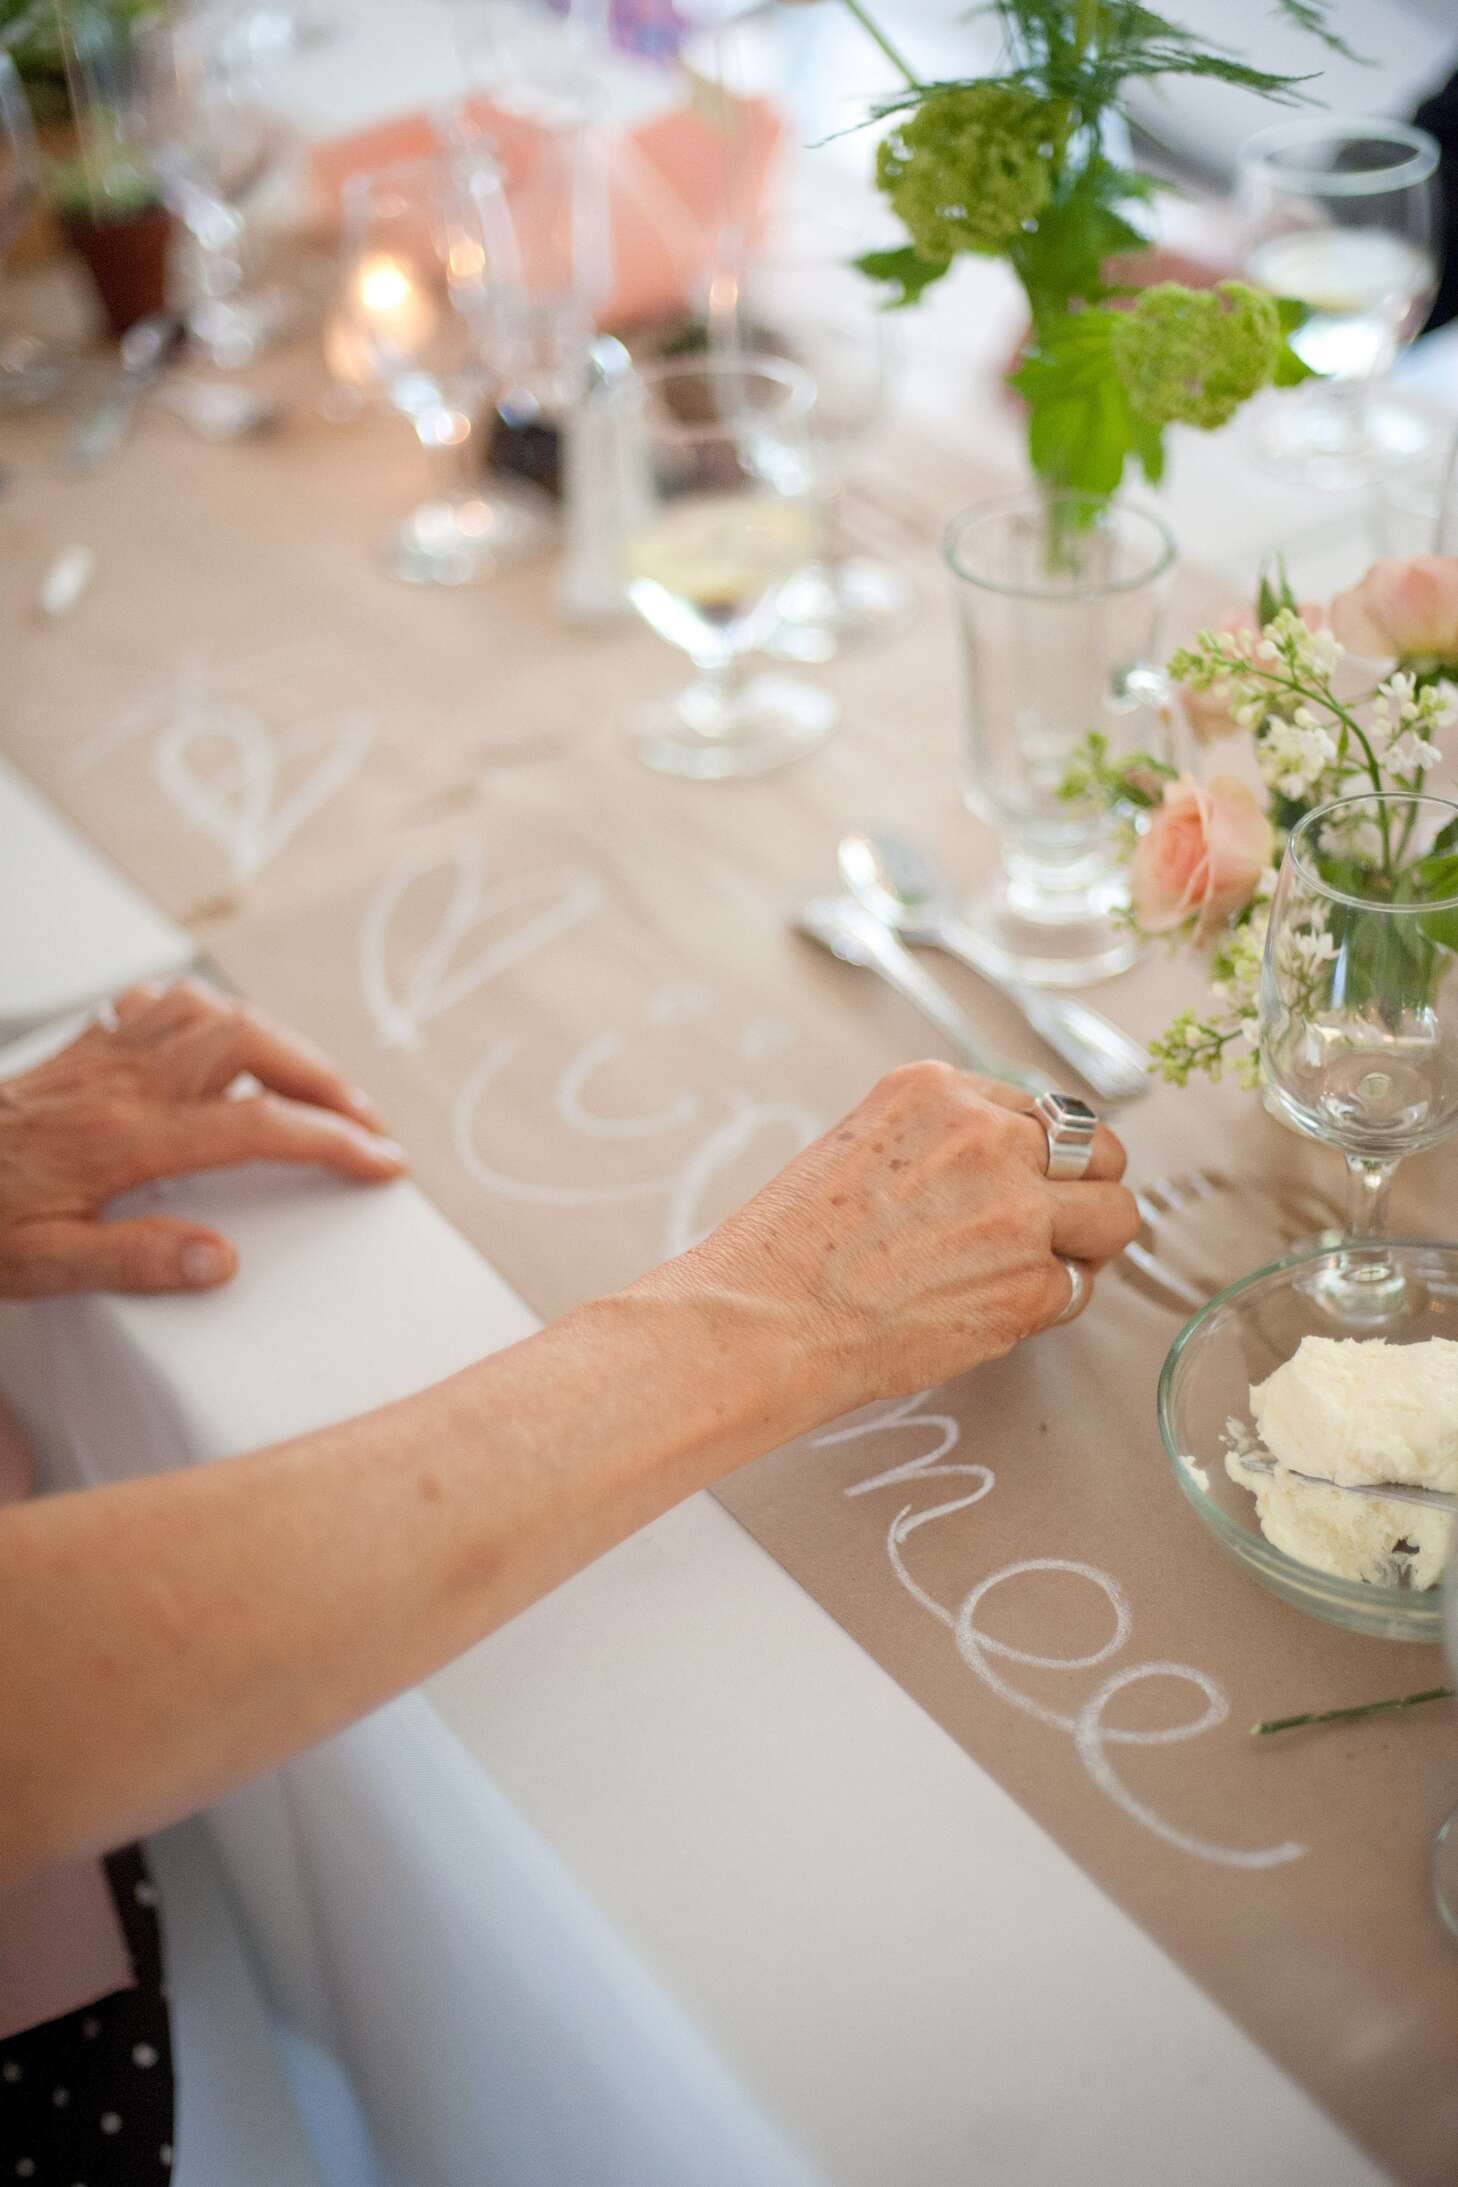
127, 260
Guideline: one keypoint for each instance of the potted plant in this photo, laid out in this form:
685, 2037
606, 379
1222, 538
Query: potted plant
102, 186
114, 220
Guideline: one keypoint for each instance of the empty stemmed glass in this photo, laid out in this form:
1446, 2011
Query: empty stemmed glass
720, 483
824, 316
202, 114
1343, 218
430, 310
1359, 1015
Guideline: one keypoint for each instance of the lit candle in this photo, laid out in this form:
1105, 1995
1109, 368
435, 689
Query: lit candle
391, 307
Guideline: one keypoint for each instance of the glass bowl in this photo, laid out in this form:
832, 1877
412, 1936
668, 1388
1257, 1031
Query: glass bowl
1243, 1334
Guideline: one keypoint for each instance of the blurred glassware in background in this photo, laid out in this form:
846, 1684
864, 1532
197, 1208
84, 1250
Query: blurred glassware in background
1342, 217
27, 373
200, 89
1060, 601
430, 309
721, 493
527, 61
826, 316
1416, 512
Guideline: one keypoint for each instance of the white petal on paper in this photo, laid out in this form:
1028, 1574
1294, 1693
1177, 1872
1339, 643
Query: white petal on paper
65, 582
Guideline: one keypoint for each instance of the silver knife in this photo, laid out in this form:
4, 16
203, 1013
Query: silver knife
849, 932
145, 349
1251, 1459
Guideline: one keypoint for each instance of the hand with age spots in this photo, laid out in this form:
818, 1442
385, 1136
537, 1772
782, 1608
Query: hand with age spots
149, 1097
918, 1238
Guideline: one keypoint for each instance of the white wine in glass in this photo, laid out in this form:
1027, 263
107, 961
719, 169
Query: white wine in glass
722, 517
705, 571
1342, 219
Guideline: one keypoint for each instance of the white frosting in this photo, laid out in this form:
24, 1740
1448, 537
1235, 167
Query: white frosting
1359, 1410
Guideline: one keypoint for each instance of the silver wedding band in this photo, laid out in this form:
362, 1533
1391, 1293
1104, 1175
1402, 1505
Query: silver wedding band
1069, 1126
1078, 1277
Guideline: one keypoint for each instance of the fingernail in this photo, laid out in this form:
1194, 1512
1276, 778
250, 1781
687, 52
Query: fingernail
362, 1105
383, 1150
203, 1263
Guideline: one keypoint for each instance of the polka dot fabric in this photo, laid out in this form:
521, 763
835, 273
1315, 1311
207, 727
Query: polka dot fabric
87, 2101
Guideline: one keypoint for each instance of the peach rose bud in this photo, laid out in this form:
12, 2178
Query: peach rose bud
1403, 610
1200, 857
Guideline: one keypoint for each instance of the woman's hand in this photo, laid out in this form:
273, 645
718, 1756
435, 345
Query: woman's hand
918, 1238
148, 1098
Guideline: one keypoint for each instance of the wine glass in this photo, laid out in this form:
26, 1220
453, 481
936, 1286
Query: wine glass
534, 76
213, 143
825, 316
1359, 1014
720, 516
1343, 218
428, 312
26, 375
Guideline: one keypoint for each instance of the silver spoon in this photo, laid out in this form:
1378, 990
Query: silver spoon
901, 886
851, 933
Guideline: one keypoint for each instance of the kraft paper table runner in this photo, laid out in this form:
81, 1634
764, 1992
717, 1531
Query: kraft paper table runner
411, 823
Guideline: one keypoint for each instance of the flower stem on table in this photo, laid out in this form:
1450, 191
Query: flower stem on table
1353, 1715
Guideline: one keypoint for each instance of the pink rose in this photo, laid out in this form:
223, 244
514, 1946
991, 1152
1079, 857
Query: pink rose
1200, 857
1208, 712
1403, 610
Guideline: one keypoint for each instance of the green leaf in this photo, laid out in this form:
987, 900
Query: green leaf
1081, 431
1274, 593
905, 269
1289, 370
1148, 443
1312, 16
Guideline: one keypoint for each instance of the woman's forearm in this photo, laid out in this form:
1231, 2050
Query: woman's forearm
163, 1640
168, 1638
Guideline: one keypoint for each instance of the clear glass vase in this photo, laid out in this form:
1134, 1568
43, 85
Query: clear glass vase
1059, 600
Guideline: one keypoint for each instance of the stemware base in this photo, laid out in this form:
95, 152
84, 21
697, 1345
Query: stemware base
834, 605
1333, 442
464, 537
709, 736
29, 374
1445, 1872
1051, 944
1363, 1294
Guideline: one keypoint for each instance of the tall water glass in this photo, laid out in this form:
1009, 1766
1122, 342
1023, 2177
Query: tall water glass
1060, 603
1359, 1013
1342, 216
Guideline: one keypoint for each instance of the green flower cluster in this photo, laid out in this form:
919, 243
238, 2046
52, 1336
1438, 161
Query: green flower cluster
969, 168
1193, 356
